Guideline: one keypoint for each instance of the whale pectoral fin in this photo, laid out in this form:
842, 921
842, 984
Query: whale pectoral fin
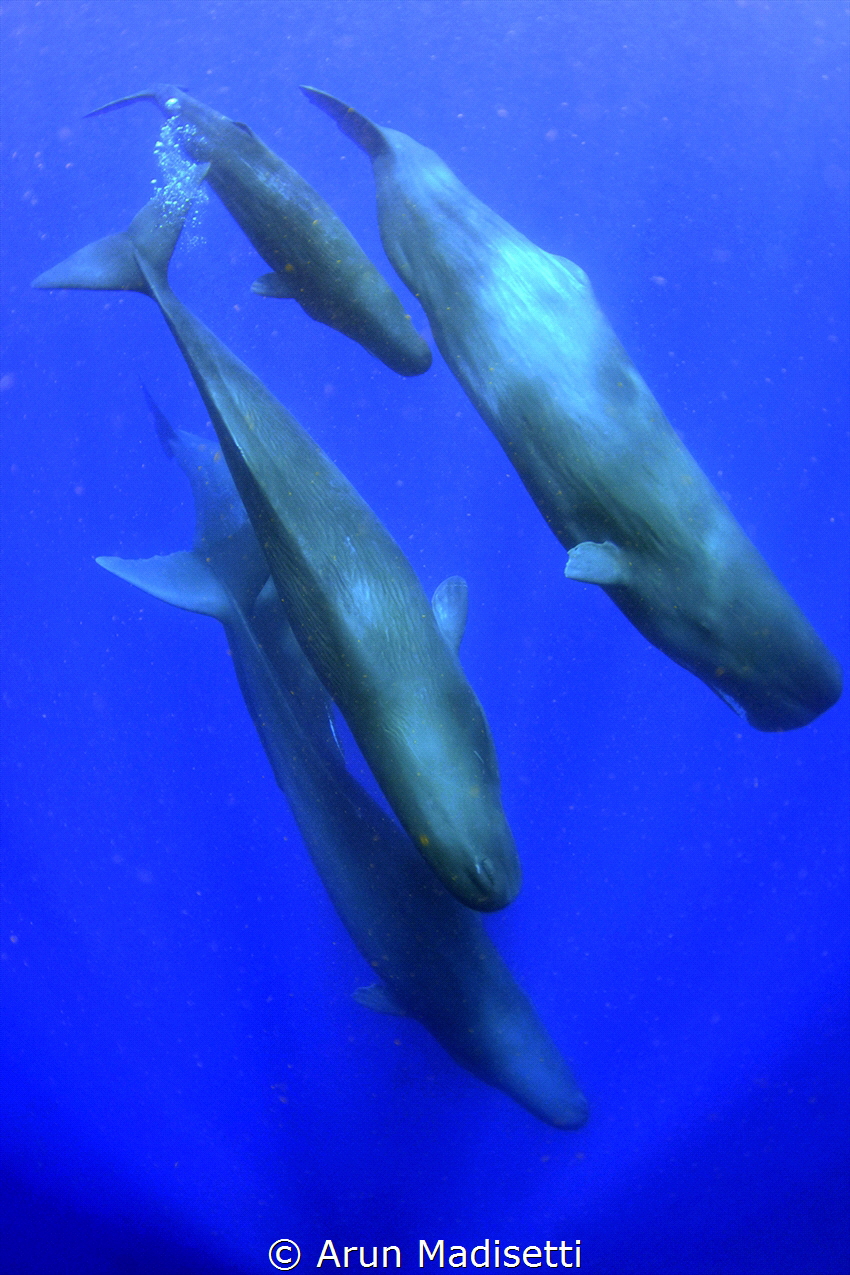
273, 285
450, 605
183, 579
379, 998
595, 563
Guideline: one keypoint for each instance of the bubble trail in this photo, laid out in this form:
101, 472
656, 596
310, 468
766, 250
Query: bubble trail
178, 184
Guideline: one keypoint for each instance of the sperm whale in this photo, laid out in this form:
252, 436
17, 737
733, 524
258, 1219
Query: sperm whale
523, 333
432, 956
352, 597
314, 258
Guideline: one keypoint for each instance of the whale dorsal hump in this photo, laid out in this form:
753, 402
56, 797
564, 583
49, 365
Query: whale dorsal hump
379, 998
595, 563
450, 605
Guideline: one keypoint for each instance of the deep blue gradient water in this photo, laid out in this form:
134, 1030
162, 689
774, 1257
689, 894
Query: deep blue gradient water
187, 1078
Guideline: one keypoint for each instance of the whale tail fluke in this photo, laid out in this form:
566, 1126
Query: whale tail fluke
134, 260
367, 135
108, 264
184, 579
149, 96
159, 93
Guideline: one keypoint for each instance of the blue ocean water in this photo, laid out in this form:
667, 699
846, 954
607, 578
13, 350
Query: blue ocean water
187, 1078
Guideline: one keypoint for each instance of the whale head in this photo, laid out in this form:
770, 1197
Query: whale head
781, 676
745, 638
465, 838
440, 776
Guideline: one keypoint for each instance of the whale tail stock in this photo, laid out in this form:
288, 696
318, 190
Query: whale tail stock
367, 135
165, 431
135, 260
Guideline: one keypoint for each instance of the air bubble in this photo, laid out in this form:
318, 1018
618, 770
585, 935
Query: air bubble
178, 184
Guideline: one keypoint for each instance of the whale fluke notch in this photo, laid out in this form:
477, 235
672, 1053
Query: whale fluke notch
367, 135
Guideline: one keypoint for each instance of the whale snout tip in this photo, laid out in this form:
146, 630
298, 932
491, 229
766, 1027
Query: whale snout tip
775, 722
574, 1114
557, 1100
492, 886
784, 713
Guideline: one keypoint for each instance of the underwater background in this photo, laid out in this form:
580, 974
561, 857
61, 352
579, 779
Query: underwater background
186, 1076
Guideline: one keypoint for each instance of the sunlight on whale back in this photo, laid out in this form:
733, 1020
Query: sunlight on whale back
178, 183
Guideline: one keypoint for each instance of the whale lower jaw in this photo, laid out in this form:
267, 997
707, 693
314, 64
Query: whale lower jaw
788, 718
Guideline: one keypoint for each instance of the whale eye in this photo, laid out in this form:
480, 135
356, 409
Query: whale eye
172, 104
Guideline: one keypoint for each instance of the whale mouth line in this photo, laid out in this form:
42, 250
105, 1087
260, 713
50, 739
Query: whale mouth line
485, 873
488, 888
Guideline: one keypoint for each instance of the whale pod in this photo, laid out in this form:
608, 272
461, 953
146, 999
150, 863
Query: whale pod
523, 333
435, 960
353, 600
313, 257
